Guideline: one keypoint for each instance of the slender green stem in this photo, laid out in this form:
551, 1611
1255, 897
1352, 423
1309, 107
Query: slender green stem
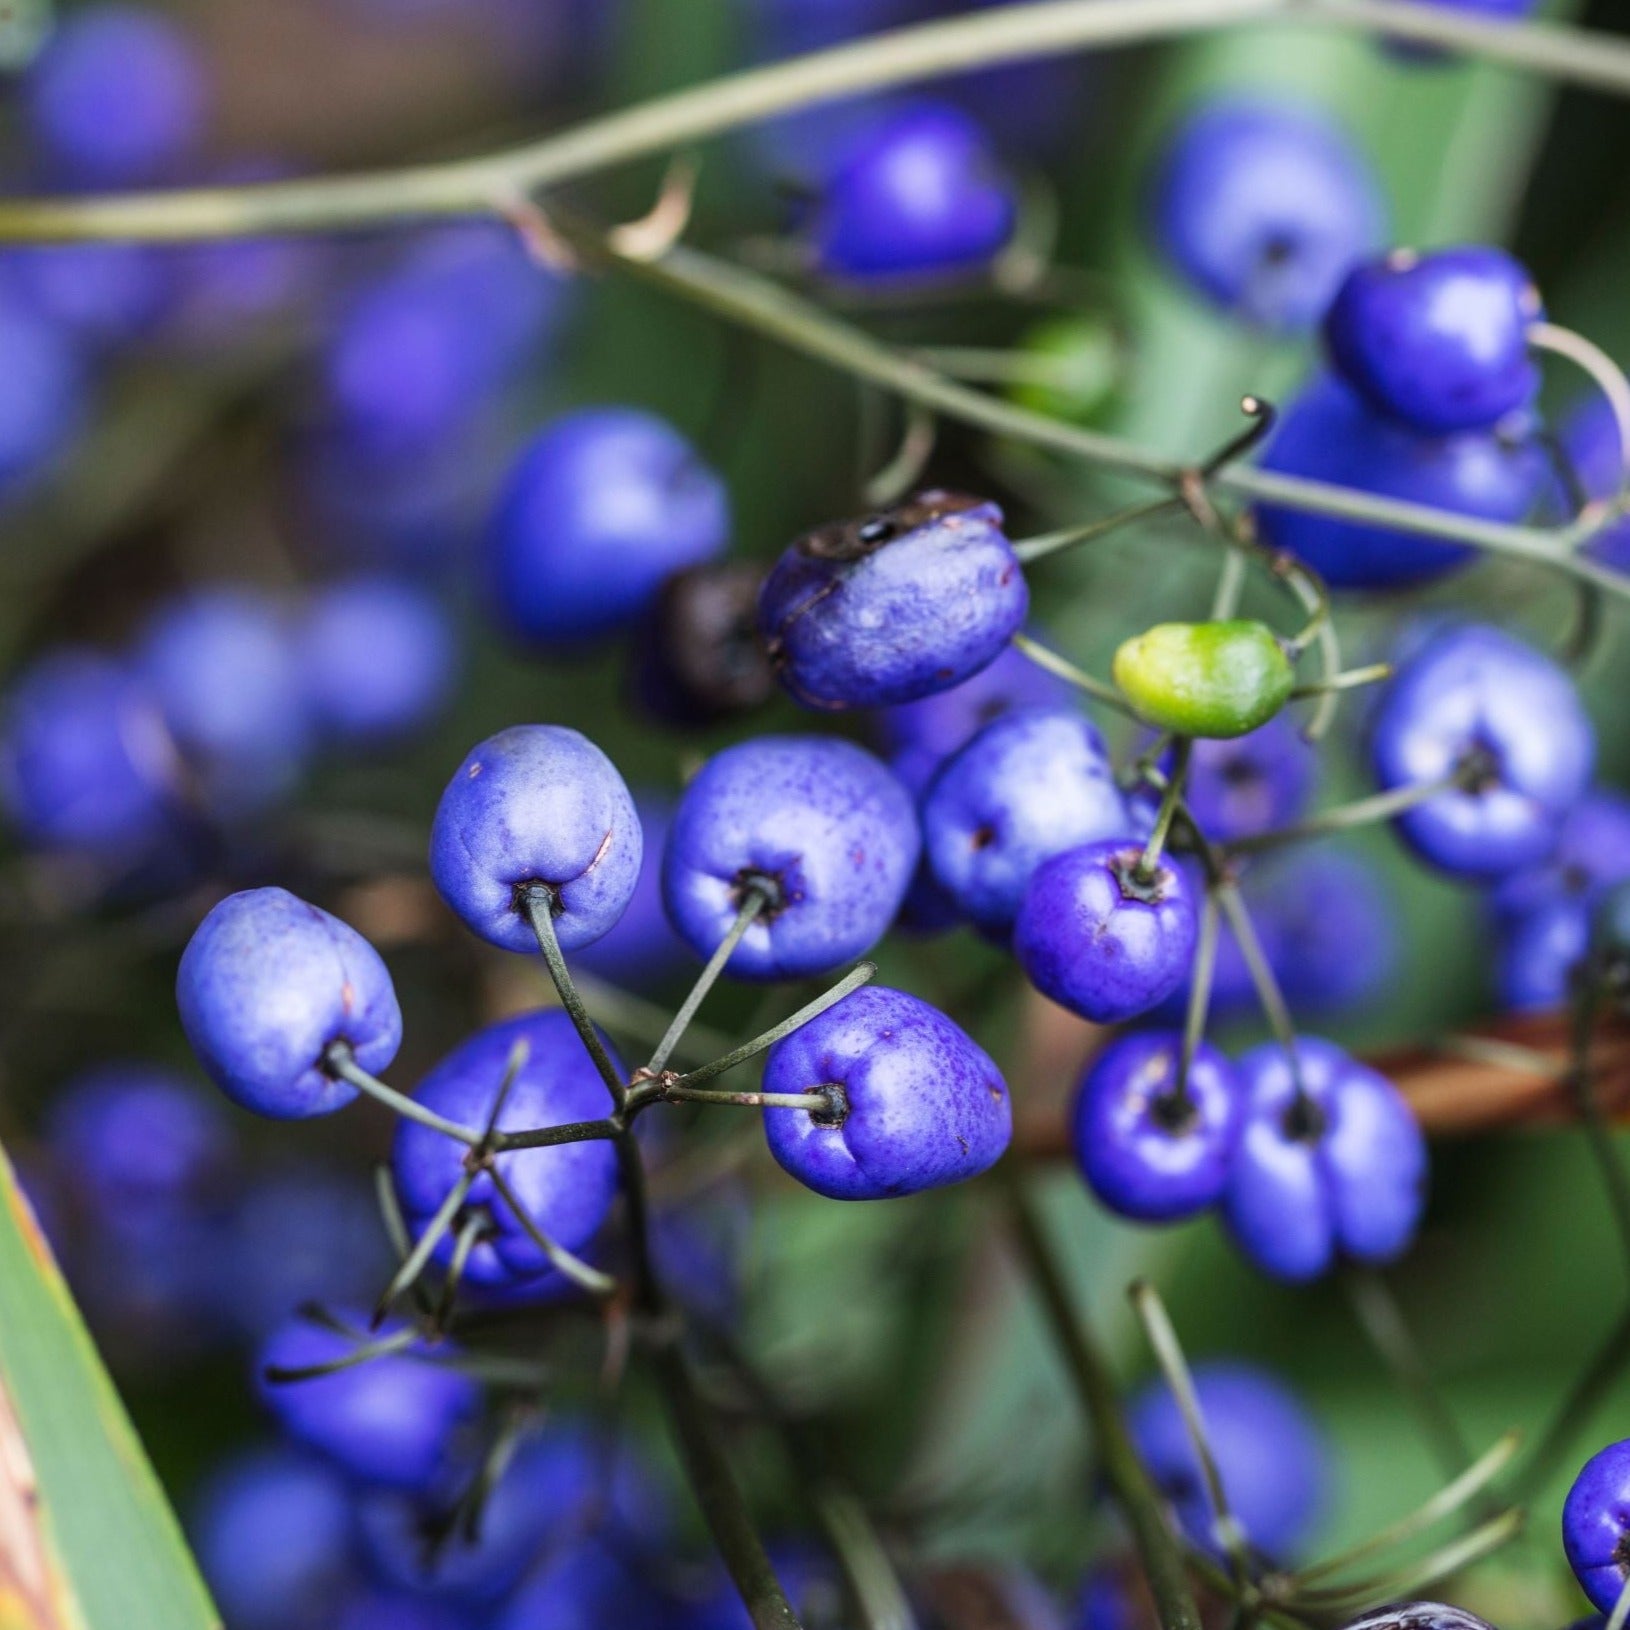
1584, 1398
1380, 806
1044, 544
540, 901
1199, 1002
1182, 749
1230, 586
547, 1137
1442, 1564
464, 1243
811, 1101
1263, 979
754, 900
363, 1353
1349, 679
418, 1258
623, 1013
1062, 668
1621, 1609
341, 1062
564, 1262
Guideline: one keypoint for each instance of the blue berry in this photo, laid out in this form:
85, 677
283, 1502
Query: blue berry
1030, 785
1592, 854
85, 760
267, 985
1105, 1603
378, 657
920, 192
1330, 434
272, 1532
1591, 440
1595, 1523
1474, 699
1263, 207
642, 950
917, 1103
1536, 953
1247, 784
820, 825
582, 1584
1331, 928
44, 392
117, 97
894, 606
1340, 1174
602, 505
370, 1607
567, 1189
1101, 940
398, 1422
1270, 1454
105, 293
1146, 1153
1438, 341
536, 804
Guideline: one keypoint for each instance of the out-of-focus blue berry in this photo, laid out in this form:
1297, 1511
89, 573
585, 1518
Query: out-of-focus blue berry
1105, 1603
1329, 434
602, 505
581, 1584
1591, 440
371, 1607
920, 192
43, 391
1595, 1521
1332, 929
272, 1533
85, 760
1269, 1453
1592, 854
105, 293
1536, 952
1247, 784
641, 949
536, 804
267, 984
894, 606
1263, 207
827, 830
378, 656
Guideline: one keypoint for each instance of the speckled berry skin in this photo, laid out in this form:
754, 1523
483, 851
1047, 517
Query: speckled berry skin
1347, 1182
1263, 207
1250, 783
831, 828
918, 193
537, 803
1536, 952
1330, 434
1437, 341
1476, 690
395, 1422
895, 606
923, 1103
567, 1189
1592, 854
267, 984
641, 950
1030, 785
602, 505
1270, 1454
1595, 1520
1096, 942
1142, 1156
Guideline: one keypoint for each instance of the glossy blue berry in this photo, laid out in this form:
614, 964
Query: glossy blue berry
602, 505
1030, 785
921, 192
1248, 784
917, 1103
44, 391
117, 97
267, 985
893, 606
404, 1421
1330, 434
536, 804
823, 828
1338, 1174
1438, 341
1595, 1523
1146, 1152
1592, 854
272, 1533
1099, 938
85, 760
1270, 1454
1263, 207
378, 656
1536, 953
1476, 700
566, 1189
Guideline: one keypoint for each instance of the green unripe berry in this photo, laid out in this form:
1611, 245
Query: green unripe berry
1205, 679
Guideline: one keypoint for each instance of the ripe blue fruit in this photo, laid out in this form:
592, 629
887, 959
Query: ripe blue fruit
1591, 441
601, 506
1338, 1175
1101, 940
1437, 341
825, 829
1271, 1456
44, 391
1595, 1521
1330, 434
371, 1607
1030, 785
267, 984
103, 293
1474, 699
1592, 853
566, 1189
919, 192
85, 760
398, 1422
378, 657
917, 1103
893, 606
1263, 207
1536, 953
1146, 1153
1247, 784
1331, 926
536, 804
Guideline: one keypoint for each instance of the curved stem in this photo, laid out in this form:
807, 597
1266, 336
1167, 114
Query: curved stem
1380, 806
340, 1061
1062, 668
1199, 1002
564, 1262
415, 1262
755, 899
539, 900
1604, 372
1044, 544
1182, 748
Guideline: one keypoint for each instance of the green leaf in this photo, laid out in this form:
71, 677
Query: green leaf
87, 1539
